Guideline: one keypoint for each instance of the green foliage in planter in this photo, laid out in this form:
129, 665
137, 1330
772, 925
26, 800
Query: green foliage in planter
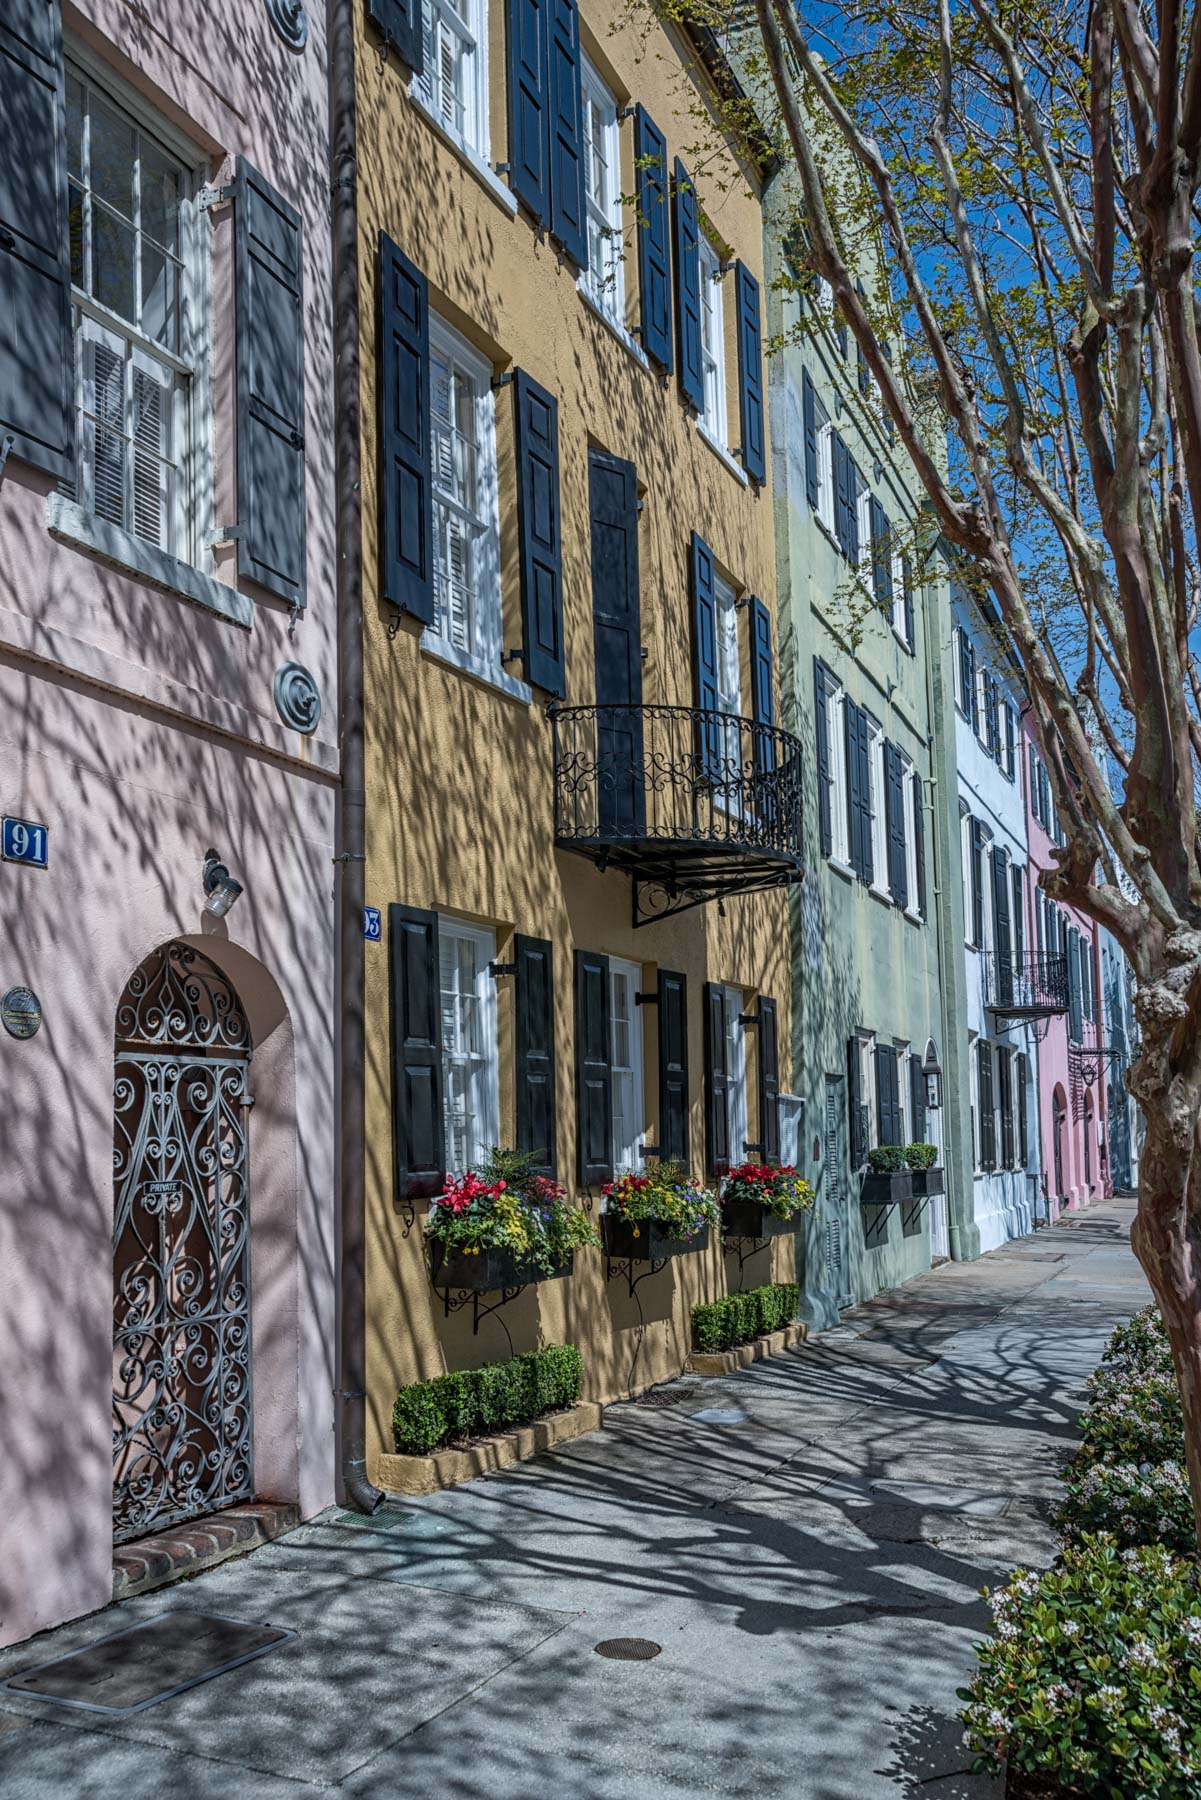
887, 1159
1093, 1678
921, 1156
1146, 1505
472, 1402
741, 1318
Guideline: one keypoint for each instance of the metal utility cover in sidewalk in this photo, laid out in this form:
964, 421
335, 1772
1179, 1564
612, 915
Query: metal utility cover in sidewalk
135, 1668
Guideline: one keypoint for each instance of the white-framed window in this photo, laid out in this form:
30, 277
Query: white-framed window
454, 81
713, 345
825, 464
136, 308
911, 803
840, 816
973, 1062
901, 1047
736, 1107
879, 821
625, 1033
867, 1089
899, 613
467, 598
863, 518
470, 1061
604, 278
729, 695
823, 300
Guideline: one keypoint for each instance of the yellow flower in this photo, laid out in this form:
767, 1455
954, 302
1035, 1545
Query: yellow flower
637, 1233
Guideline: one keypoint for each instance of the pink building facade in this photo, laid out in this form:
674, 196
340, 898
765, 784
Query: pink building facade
167, 685
1073, 1125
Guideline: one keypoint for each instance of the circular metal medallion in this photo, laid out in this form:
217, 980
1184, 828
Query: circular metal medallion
628, 1649
296, 698
21, 1012
291, 21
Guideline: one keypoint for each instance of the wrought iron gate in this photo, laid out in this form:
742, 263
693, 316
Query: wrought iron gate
181, 1246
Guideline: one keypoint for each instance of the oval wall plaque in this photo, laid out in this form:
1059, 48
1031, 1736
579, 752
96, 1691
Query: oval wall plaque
21, 1012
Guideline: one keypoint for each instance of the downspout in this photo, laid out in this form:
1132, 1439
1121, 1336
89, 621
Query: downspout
351, 1374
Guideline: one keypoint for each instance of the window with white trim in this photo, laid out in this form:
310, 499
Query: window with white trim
879, 820
470, 1062
900, 616
729, 694
713, 345
736, 1108
467, 600
909, 797
904, 1097
625, 1032
863, 515
867, 1089
604, 278
840, 818
454, 81
825, 464
133, 302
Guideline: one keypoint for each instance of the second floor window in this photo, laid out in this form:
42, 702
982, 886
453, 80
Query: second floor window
453, 83
713, 345
466, 530
604, 276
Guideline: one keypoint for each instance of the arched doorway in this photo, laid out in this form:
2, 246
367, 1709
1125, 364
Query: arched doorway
181, 1246
1058, 1127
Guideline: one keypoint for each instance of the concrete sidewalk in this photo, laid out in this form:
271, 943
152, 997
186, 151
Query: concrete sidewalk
805, 1540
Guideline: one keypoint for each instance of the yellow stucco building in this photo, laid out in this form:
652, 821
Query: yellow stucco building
568, 549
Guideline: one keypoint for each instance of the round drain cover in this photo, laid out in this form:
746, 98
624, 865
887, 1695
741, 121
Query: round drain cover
628, 1649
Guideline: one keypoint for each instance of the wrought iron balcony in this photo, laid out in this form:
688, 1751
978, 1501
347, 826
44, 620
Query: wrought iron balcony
1025, 987
693, 805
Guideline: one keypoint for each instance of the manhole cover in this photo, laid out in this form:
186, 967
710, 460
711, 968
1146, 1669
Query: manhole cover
720, 1415
145, 1663
628, 1649
662, 1397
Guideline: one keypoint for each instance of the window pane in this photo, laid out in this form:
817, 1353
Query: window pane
75, 113
104, 418
160, 297
160, 197
110, 155
113, 263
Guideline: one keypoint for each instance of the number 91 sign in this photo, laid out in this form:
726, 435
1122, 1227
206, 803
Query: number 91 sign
24, 841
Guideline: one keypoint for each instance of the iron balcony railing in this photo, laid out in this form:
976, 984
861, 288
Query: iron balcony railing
1025, 987
675, 778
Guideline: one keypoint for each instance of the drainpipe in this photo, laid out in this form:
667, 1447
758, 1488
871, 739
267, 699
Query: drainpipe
351, 1376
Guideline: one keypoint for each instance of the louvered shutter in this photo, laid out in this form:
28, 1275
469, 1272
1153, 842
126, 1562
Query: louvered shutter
887, 1099
1074, 1007
917, 1101
688, 289
919, 842
1010, 740
1023, 1120
894, 818
809, 416
673, 1067
863, 755
529, 104
594, 1068
992, 723
769, 1081
821, 722
845, 527
976, 858
763, 704
988, 1117
907, 598
1018, 882
1005, 1100
270, 387
1002, 939
881, 559
399, 24
1044, 797
851, 716
567, 132
857, 1128
406, 484
37, 406
418, 1134
654, 238
750, 373
539, 534
704, 655
717, 1081
534, 1051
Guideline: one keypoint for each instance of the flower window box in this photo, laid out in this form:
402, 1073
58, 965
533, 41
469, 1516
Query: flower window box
647, 1240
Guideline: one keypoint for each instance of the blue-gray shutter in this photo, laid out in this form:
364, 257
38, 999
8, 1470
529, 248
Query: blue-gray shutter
704, 654
763, 702
1075, 1021
917, 1101
539, 534
594, 1068
988, 1116
750, 373
769, 1081
894, 819
399, 24
566, 116
534, 1051
1002, 931
529, 105
881, 548
688, 289
856, 1109
406, 477
919, 842
890, 1120
809, 415
418, 1134
36, 374
673, 1067
822, 732
976, 859
654, 238
845, 527
907, 597
269, 311
863, 748
721, 1153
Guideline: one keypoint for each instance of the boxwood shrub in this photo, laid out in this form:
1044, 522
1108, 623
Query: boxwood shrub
473, 1402
741, 1318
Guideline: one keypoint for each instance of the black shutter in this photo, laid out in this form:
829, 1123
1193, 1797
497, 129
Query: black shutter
919, 842
270, 384
1005, 1099
720, 1152
769, 1081
673, 1067
763, 704
809, 414
881, 547
1018, 880
567, 132
704, 654
529, 104
890, 1125
907, 597
534, 1051
894, 818
1023, 1121
654, 238
539, 528
917, 1101
688, 289
37, 405
594, 1068
418, 1133
1010, 740
988, 1117
845, 525
406, 484
992, 723
617, 644
399, 24
1002, 936
821, 722
750, 373
863, 755
851, 716
976, 858
857, 1134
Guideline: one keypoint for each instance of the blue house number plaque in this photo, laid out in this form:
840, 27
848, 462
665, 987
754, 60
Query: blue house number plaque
24, 841
371, 924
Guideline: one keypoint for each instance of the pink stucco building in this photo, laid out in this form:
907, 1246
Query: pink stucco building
167, 631
1072, 1120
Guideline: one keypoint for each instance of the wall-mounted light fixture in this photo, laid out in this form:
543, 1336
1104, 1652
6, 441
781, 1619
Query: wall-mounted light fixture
220, 888
932, 1074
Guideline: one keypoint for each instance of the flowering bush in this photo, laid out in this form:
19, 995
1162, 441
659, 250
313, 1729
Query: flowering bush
1133, 1416
1093, 1678
779, 1189
507, 1207
1136, 1505
1140, 1344
669, 1195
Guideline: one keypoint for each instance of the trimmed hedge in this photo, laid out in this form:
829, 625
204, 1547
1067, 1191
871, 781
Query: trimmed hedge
476, 1402
741, 1318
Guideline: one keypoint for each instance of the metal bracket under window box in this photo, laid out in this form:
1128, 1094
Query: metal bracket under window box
749, 1019
226, 534
497, 969
210, 197
646, 999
